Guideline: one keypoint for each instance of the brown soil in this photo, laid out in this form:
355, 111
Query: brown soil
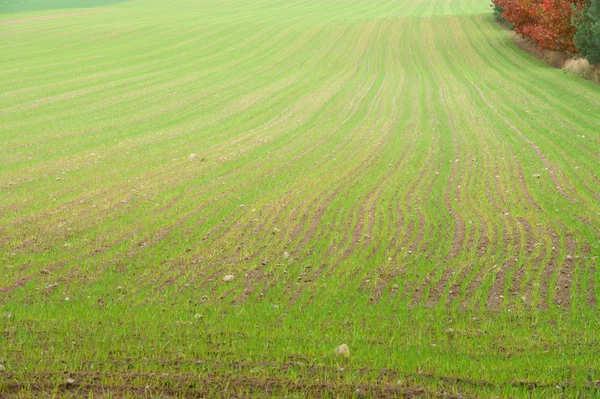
170, 385
208, 385
566, 271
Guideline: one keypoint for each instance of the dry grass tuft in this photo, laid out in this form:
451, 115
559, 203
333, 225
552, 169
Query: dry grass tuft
555, 58
579, 66
596, 74
582, 67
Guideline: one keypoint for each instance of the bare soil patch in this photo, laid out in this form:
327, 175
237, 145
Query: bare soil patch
209, 385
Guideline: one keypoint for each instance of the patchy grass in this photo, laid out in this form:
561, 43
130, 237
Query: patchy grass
404, 350
19, 6
394, 176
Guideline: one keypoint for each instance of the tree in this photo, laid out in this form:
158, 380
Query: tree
554, 29
519, 13
587, 38
548, 22
499, 15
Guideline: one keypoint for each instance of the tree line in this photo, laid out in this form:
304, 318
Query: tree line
568, 26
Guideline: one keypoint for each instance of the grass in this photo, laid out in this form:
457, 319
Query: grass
435, 189
19, 6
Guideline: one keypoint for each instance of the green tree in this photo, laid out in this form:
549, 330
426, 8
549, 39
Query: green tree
499, 14
587, 38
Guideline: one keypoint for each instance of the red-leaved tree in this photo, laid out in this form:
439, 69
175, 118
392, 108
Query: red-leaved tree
548, 22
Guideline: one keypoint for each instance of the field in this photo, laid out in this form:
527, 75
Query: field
395, 175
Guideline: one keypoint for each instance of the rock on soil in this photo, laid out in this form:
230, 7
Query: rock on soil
343, 350
228, 277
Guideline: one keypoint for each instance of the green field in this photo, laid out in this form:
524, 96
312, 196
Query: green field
395, 175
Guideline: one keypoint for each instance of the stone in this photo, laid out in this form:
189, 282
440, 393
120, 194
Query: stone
343, 350
228, 277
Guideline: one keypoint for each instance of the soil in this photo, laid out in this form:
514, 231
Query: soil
209, 385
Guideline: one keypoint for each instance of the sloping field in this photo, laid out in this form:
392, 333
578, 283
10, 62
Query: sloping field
394, 175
